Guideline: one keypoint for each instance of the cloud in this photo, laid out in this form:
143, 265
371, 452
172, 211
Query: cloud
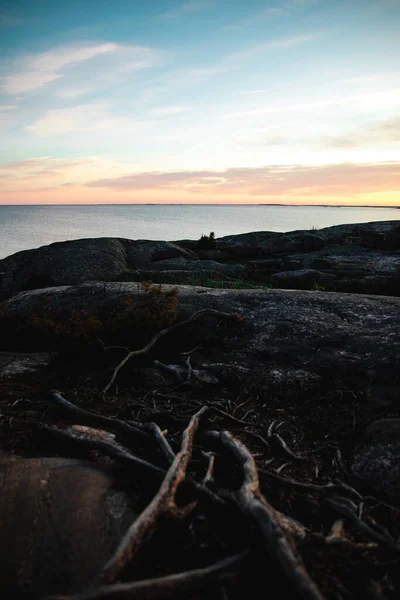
368, 101
347, 178
194, 5
274, 11
84, 117
386, 132
279, 43
187, 7
6, 107
34, 71
170, 110
249, 92
44, 171
292, 41
70, 93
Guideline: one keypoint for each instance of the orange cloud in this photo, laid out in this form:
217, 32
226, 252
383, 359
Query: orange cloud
276, 180
52, 181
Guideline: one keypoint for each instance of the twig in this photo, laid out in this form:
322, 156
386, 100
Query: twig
328, 487
209, 476
146, 349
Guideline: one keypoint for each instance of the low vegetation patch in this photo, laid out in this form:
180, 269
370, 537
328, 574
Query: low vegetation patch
129, 320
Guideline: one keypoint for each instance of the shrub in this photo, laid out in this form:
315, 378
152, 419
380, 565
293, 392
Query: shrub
128, 322
207, 242
318, 287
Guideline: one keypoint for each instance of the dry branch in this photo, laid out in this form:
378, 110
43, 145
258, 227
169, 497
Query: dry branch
146, 349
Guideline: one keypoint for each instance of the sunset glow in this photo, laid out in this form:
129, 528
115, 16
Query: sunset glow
203, 101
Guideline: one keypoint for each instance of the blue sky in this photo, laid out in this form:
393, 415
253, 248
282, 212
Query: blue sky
295, 101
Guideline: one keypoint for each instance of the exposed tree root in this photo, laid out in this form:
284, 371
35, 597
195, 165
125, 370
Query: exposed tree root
275, 535
157, 588
88, 441
142, 351
130, 432
266, 518
341, 505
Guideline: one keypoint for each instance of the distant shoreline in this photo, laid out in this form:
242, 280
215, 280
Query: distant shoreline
213, 204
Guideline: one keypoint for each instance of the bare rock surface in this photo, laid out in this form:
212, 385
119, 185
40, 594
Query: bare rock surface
61, 519
360, 258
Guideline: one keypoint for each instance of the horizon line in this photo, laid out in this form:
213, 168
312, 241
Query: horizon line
209, 204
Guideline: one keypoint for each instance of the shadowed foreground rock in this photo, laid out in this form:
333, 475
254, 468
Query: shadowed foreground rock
291, 343
61, 519
303, 377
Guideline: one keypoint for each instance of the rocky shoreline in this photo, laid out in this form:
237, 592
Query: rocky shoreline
316, 364
362, 258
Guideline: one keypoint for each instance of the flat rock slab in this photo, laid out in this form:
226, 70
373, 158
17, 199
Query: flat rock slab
15, 363
292, 342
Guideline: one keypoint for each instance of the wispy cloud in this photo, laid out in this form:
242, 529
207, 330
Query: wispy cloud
274, 44
42, 172
272, 13
34, 71
187, 7
292, 41
70, 93
385, 132
344, 179
169, 111
6, 107
249, 92
83, 117
388, 98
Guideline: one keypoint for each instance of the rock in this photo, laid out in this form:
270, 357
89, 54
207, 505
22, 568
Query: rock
359, 258
384, 395
377, 460
302, 279
15, 363
100, 259
316, 341
58, 516
393, 239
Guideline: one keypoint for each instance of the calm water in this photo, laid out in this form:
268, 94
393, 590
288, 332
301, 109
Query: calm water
23, 227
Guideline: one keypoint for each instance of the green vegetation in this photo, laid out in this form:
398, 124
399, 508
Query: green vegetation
213, 279
318, 287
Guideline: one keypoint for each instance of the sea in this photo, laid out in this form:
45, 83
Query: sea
23, 227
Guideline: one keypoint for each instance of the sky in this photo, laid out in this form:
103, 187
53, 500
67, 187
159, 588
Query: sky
200, 101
